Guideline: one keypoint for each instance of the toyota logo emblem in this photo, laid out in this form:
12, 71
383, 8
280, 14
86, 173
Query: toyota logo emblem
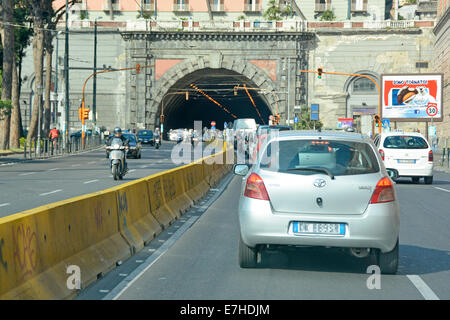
320, 183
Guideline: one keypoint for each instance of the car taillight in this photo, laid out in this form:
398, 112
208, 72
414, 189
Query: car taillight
382, 154
430, 156
255, 188
384, 191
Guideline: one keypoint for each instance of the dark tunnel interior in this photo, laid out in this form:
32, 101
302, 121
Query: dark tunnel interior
218, 84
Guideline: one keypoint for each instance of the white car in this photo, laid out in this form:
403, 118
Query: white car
408, 154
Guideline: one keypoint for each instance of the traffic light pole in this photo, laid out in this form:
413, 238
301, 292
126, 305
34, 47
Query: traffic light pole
355, 75
138, 70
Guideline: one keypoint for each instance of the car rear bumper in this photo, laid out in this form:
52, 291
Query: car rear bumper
377, 228
412, 170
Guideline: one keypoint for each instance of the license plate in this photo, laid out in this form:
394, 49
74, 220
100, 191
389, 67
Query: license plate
406, 161
318, 228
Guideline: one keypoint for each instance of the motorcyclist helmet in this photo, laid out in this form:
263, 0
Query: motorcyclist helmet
117, 132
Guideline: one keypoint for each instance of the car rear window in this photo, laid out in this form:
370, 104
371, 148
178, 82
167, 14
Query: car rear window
145, 132
245, 124
405, 142
338, 157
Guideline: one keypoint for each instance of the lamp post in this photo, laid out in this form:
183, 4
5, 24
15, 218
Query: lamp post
94, 88
40, 90
66, 79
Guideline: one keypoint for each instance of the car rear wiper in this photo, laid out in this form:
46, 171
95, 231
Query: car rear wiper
328, 172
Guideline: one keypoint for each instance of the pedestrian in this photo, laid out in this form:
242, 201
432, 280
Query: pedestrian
53, 135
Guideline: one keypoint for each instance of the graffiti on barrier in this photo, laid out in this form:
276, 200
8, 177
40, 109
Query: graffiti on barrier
98, 214
169, 187
123, 203
156, 192
25, 250
3, 263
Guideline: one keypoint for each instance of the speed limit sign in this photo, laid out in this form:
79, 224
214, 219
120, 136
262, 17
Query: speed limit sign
432, 109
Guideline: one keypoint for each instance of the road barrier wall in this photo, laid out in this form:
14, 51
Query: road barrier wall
42, 249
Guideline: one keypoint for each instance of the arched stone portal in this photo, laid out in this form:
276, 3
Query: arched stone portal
216, 76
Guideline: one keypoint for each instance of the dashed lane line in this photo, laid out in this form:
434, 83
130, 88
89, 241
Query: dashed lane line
442, 189
91, 181
423, 288
51, 192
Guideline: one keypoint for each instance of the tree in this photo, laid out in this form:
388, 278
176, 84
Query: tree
8, 64
327, 15
273, 12
305, 122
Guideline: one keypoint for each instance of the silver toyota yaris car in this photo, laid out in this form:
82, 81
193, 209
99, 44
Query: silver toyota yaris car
326, 189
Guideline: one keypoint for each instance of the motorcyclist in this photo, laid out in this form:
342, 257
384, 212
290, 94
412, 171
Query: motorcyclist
125, 142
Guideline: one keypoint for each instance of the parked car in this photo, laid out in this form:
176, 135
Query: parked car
326, 189
408, 154
145, 136
135, 147
77, 134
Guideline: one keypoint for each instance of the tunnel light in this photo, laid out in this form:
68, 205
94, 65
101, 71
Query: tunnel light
187, 95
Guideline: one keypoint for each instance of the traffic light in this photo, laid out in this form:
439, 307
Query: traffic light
138, 68
235, 92
319, 74
276, 119
80, 113
86, 113
377, 121
187, 95
161, 118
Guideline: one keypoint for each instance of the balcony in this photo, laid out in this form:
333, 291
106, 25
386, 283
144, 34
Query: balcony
114, 6
251, 7
359, 6
218, 7
148, 7
321, 7
84, 5
181, 7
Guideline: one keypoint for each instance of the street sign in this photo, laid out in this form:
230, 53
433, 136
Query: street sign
296, 120
271, 117
432, 131
386, 123
315, 116
314, 107
225, 125
432, 109
213, 123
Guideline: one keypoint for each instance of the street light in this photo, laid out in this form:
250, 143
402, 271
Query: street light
40, 90
94, 88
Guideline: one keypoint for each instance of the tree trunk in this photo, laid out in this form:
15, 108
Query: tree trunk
14, 134
8, 59
48, 83
38, 54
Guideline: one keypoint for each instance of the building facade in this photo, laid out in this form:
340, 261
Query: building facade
232, 43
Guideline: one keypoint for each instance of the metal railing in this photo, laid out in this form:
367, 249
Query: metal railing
52, 148
321, 7
441, 150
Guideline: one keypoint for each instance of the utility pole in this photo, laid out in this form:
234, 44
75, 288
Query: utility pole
66, 79
94, 95
289, 91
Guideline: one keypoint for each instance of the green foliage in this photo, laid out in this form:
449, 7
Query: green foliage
145, 15
242, 17
327, 15
273, 12
83, 15
5, 108
305, 122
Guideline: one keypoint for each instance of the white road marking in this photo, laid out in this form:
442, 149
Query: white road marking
103, 291
4, 204
442, 189
53, 169
139, 261
51, 192
143, 167
132, 170
76, 165
423, 288
91, 181
92, 162
151, 250
26, 173
123, 274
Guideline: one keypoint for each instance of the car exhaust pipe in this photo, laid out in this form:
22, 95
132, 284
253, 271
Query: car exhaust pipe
360, 252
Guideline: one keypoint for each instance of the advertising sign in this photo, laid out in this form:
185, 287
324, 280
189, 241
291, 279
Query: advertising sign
412, 97
345, 123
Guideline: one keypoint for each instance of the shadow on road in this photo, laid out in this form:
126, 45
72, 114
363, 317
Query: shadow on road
413, 260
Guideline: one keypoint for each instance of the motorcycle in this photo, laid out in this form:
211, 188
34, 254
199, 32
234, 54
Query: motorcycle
157, 142
117, 154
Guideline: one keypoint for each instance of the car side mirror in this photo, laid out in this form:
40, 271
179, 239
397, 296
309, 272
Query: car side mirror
392, 173
240, 169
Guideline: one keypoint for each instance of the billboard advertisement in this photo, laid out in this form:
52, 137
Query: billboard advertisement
412, 97
345, 123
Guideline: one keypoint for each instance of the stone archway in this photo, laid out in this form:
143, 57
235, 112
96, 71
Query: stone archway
214, 61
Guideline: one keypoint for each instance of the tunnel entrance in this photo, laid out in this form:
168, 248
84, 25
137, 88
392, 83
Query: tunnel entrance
209, 95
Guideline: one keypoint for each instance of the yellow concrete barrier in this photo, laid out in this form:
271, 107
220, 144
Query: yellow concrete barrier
37, 246
95, 231
136, 222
